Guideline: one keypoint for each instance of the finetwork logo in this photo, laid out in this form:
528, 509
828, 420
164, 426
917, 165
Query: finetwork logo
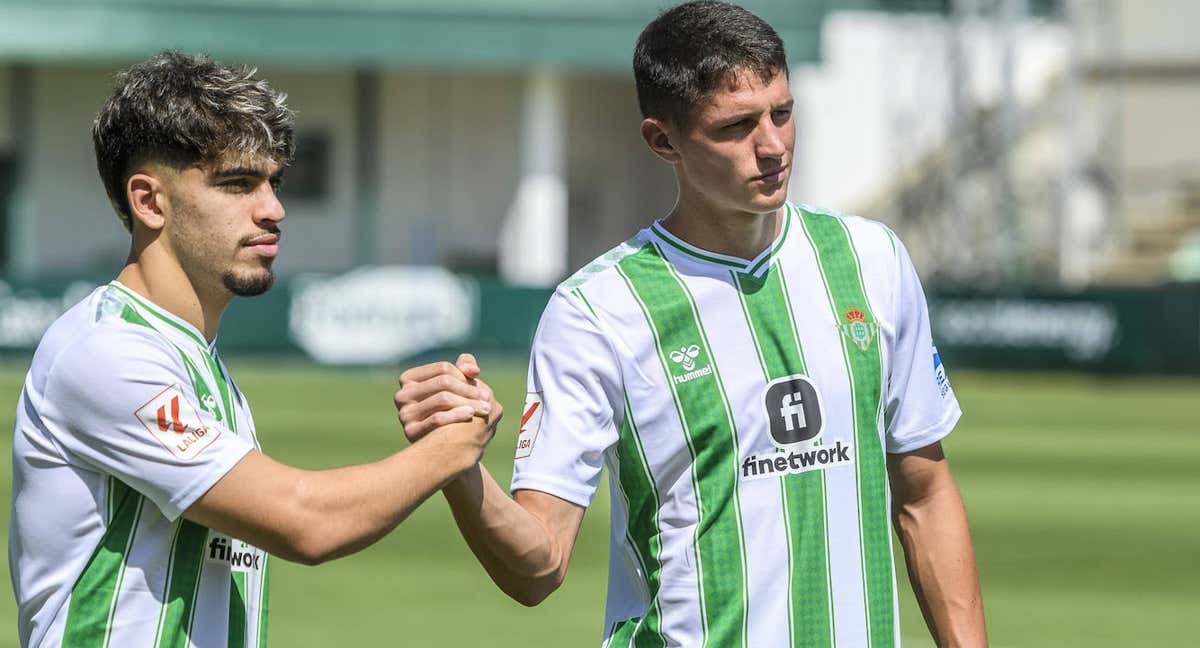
235, 553
793, 408
686, 358
796, 461
795, 420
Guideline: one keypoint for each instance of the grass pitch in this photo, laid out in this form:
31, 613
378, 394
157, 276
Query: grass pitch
1084, 497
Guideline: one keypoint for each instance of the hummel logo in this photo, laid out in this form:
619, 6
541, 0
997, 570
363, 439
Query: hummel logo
686, 356
208, 402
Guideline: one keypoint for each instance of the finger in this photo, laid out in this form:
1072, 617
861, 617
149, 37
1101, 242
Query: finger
442, 402
425, 372
468, 365
415, 392
449, 417
485, 391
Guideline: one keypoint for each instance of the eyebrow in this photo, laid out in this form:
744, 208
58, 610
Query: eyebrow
240, 171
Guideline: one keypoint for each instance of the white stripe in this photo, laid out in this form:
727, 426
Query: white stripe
823, 347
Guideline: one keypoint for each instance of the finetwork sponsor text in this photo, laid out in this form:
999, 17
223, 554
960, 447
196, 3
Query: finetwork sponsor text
796, 461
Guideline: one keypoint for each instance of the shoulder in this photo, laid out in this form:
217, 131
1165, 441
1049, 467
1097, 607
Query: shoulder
109, 353
605, 265
868, 239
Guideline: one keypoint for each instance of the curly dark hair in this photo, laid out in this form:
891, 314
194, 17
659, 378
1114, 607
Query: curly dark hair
685, 54
182, 110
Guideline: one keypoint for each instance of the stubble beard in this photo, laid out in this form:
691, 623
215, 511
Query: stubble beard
197, 253
248, 284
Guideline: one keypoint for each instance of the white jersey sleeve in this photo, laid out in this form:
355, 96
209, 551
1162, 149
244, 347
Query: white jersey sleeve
567, 423
921, 408
119, 401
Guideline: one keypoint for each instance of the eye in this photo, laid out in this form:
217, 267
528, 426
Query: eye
238, 185
782, 114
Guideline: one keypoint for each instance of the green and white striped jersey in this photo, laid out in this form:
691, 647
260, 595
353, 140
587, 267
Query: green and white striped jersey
126, 418
744, 409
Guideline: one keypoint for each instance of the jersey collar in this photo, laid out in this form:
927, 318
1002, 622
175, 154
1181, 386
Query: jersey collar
756, 267
163, 321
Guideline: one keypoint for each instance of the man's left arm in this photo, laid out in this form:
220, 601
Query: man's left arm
930, 519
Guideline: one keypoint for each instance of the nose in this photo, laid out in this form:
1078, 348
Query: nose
772, 140
270, 210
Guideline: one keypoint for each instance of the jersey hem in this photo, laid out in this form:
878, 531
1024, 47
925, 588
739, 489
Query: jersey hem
929, 435
552, 486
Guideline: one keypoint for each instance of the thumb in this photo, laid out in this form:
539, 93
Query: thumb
468, 365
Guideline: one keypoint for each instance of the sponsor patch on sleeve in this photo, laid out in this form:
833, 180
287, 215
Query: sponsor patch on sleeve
174, 422
531, 423
939, 373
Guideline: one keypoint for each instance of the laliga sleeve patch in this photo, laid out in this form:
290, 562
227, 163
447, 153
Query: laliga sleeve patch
531, 423
172, 420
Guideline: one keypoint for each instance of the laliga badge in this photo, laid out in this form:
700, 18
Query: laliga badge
531, 423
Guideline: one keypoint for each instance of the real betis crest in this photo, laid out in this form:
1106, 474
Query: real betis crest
858, 329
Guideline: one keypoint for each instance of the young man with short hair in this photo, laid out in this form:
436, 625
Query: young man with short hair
144, 513
753, 373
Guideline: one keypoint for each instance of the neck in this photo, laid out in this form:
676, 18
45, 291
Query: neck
733, 233
168, 287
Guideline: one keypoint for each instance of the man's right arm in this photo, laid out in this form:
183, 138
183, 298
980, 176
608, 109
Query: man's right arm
524, 542
311, 516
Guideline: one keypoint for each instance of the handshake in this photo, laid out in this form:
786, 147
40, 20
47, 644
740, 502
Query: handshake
450, 402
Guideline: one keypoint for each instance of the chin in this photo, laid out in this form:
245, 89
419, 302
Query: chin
249, 284
768, 203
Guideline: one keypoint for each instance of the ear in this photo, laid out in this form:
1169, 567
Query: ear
657, 135
147, 200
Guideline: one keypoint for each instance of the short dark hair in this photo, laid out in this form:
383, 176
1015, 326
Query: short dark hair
685, 54
182, 110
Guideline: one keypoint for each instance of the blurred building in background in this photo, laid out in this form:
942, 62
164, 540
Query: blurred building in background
480, 135
1032, 154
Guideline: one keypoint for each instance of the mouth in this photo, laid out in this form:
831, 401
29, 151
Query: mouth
266, 245
772, 177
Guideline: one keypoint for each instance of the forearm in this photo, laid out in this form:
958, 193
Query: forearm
354, 506
313, 516
941, 565
518, 551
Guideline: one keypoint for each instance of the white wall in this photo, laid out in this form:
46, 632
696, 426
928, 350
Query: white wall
72, 228
449, 169
616, 186
1141, 31
882, 96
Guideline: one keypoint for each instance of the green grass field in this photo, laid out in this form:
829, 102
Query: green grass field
1084, 496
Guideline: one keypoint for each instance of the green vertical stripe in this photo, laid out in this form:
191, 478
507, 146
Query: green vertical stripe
237, 610
712, 440
183, 582
162, 318
641, 504
844, 283
94, 596
263, 595
223, 388
779, 351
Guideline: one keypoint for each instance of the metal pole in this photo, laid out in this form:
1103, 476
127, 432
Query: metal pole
1012, 12
21, 252
368, 110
